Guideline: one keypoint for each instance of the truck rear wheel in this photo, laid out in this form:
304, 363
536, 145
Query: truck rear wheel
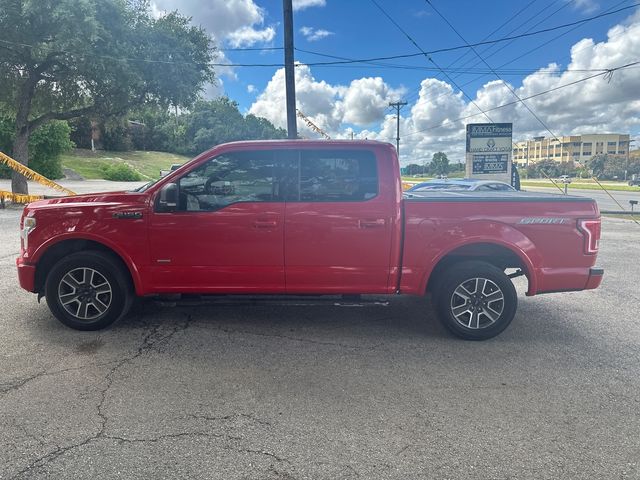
475, 300
88, 290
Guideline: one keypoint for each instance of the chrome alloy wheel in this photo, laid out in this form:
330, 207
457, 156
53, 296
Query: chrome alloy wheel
85, 293
477, 303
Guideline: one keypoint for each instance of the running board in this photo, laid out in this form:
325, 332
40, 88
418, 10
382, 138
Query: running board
264, 300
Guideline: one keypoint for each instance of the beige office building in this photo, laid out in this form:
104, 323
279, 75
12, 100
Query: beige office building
576, 148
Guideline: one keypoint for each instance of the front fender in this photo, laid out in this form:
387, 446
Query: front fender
118, 250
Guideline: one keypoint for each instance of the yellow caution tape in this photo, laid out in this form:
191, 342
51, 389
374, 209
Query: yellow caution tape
31, 175
19, 198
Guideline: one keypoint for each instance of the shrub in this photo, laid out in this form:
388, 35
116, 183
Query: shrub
120, 172
46, 144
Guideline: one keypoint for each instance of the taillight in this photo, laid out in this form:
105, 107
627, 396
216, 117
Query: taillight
591, 230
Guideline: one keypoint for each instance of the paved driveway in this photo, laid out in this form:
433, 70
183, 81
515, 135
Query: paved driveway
271, 392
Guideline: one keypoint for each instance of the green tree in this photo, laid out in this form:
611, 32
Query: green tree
61, 59
212, 122
544, 168
596, 164
414, 169
439, 164
614, 167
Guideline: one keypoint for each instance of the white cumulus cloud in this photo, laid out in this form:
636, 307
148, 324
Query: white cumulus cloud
240, 22
313, 34
247, 36
302, 4
363, 102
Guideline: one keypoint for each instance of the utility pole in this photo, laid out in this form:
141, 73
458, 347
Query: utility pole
397, 106
289, 69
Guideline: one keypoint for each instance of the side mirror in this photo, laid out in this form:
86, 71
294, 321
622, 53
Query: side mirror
168, 198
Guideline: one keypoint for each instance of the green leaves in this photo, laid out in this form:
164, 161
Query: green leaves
439, 164
106, 54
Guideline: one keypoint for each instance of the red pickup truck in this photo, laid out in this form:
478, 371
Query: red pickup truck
305, 218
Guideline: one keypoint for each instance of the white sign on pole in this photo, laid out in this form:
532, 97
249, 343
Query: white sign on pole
489, 151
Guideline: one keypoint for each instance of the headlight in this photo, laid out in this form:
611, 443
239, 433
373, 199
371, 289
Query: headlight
27, 227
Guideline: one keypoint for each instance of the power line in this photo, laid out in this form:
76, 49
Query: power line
554, 136
428, 57
512, 71
513, 92
609, 10
544, 92
566, 4
551, 72
338, 62
416, 92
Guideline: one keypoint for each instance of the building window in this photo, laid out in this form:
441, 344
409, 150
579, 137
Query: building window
584, 154
611, 144
586, 144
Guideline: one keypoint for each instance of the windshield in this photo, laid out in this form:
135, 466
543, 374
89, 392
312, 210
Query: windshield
144, 187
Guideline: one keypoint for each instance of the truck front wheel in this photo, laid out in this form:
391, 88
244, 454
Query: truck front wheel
88, 290
475, 300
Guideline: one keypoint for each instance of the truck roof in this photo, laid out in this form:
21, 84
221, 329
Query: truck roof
311, 142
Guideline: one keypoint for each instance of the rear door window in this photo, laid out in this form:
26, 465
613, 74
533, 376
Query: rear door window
337, 176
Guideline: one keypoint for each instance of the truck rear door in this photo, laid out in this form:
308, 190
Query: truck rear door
339, 222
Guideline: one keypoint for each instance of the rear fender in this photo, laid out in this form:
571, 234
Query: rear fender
489, 232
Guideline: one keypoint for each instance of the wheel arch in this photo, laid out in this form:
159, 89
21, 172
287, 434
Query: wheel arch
495, 252
47, 256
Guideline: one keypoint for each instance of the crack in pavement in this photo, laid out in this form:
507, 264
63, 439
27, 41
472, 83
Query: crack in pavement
17, 383
148, 343
232, 416
198, 434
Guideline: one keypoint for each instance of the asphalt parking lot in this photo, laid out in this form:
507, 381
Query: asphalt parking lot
287, 392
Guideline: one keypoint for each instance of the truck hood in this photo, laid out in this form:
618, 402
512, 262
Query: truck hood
91, 199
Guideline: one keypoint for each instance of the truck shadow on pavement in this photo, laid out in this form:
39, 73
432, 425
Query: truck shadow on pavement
407, 320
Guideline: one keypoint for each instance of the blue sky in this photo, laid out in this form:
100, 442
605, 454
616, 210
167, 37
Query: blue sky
359, 30
354, 98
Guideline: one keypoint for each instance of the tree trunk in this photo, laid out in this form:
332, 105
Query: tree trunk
21, 142
21, 154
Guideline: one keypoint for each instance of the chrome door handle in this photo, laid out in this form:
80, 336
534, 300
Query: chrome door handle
372, 223
265, 224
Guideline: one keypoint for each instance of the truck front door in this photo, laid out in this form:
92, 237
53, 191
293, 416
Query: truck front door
227, 233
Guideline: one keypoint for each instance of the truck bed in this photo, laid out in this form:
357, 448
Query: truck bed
508, 197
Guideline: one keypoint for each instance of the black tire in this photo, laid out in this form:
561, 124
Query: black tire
490, 305
92, 284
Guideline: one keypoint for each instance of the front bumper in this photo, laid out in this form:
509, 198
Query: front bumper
595, 278
26, 275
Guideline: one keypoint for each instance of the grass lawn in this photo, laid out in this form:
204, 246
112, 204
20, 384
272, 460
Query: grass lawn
582, 185
631, 218
148, 164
